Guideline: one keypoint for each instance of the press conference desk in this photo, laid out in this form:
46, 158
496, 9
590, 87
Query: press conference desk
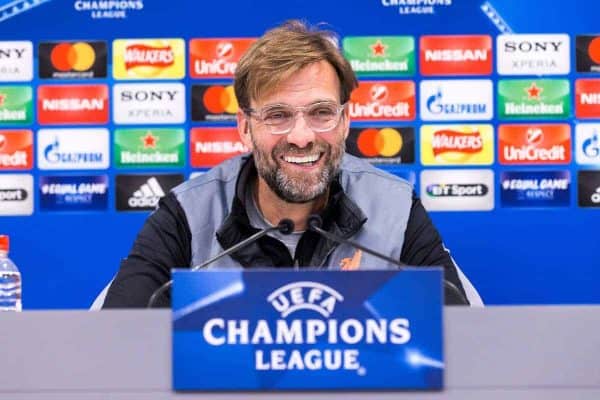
492, 353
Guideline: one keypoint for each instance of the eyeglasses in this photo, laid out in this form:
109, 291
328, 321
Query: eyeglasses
280, 119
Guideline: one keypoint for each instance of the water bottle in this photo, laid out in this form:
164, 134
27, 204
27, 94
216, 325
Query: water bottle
10, 280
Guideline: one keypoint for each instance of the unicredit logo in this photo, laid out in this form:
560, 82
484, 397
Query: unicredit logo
138, 55
224, 49
379, 93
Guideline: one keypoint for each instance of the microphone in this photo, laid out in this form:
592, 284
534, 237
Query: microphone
285, 226
451, 293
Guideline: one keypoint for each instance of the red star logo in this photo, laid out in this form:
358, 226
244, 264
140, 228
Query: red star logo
2, 98
149, 140
379, 48
533, 91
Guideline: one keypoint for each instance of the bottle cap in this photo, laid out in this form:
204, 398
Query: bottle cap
4, 243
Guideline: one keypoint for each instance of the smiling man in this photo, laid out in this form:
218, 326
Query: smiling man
293, 87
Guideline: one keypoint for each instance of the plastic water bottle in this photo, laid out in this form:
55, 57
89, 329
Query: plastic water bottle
10, 280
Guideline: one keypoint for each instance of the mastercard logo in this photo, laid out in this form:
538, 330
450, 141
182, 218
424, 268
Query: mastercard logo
594, 50
79, 56
220, 99
386, 142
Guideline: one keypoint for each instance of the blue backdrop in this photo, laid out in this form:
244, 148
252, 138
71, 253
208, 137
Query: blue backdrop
513, 256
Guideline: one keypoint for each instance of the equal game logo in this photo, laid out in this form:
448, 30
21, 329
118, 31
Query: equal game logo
159, 103
214, 103
447, 100
383, 101
16, 194
587, 98
539, 98
211, 146
149, 148
72, 149
148, 59
16, 105
380, 55
457, 144
457, 189
547, 54
587, 142
389, 145
587, 53
16, 61
535, 188
216, 58
73, 193
456, 55
142, 192
588, 188
72, 60
534, 144
72, 104
16, 150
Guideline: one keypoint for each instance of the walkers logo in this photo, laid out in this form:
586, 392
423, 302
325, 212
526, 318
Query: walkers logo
142, 192
535, 188
383, 101
587, 142
534, 144
525, 98
390, 145
216, 58
159, 103
72, 104
210, 146
456, 55
148, 59
587, 53
149, 148
587, 98
16, 149
72, 60
73, 193
457, 144
72, 149
588, 188
16, 194
214, 103
380, 55
16, 61
533, 54
457, 190
456, 100
16, 105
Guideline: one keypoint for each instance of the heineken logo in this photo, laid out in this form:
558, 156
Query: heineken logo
16, 105
380, 56
149, 147
549, 98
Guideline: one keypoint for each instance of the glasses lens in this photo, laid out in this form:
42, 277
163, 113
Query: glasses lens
323, 116
278, 118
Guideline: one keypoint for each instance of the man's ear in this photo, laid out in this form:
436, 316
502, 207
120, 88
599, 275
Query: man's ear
243, 127
346, 121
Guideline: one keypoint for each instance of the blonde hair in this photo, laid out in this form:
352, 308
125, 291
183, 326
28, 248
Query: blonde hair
283, 51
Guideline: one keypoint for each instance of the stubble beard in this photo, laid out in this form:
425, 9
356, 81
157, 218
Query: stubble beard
298, 188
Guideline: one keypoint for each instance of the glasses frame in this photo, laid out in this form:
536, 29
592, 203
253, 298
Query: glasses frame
259, 116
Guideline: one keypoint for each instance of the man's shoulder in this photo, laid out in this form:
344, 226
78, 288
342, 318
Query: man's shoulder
222, 174
357, 171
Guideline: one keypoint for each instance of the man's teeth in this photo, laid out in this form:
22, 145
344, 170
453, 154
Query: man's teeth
301, 160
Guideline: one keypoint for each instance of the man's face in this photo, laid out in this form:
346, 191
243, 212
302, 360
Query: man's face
300, 165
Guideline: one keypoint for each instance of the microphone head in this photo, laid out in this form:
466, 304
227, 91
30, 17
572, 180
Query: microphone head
285, 226
314, 221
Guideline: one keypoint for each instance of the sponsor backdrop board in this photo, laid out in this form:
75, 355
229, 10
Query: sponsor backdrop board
495, 121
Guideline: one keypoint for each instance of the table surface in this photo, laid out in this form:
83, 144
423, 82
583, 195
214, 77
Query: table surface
549, 352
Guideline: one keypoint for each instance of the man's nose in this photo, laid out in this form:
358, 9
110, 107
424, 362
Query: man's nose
301, 134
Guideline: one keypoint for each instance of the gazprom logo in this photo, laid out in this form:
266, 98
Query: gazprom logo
305, 295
